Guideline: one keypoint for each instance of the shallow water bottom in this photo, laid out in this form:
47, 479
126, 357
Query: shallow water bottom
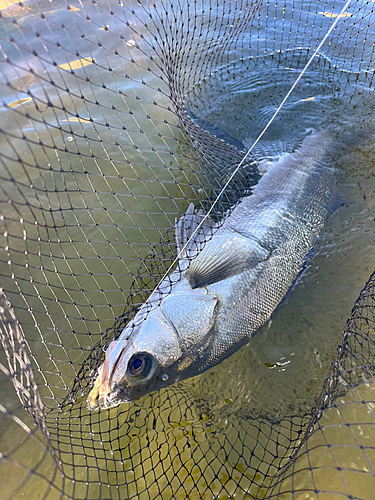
321, 472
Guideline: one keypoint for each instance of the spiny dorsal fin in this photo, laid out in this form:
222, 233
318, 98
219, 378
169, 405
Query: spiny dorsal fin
185, 228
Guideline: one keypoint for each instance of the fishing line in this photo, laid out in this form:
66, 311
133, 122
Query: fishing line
331, 28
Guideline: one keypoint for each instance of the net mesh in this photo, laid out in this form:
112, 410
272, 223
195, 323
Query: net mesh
114, 117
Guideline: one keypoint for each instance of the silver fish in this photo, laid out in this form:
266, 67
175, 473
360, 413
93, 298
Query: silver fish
230, 285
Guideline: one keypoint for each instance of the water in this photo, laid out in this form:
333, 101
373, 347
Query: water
85, 211
342, 471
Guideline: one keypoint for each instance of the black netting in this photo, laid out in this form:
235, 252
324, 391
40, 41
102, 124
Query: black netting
115, 117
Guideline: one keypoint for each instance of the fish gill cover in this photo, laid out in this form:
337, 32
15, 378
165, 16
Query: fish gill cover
115, 117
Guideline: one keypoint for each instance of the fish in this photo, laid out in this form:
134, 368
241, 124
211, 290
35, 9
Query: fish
230, 278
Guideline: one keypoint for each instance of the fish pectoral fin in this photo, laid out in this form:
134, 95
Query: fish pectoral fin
185, 233
223, 257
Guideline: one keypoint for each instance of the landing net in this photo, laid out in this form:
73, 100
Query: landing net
114, 118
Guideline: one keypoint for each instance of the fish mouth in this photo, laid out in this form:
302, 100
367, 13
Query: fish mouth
101, 396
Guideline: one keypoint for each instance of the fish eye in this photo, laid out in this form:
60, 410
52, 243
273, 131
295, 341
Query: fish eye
140, 365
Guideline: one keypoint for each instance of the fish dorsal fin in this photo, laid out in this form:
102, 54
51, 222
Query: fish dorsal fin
225, 256
184, 230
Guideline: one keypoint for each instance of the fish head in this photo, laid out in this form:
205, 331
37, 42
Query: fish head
162, 349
